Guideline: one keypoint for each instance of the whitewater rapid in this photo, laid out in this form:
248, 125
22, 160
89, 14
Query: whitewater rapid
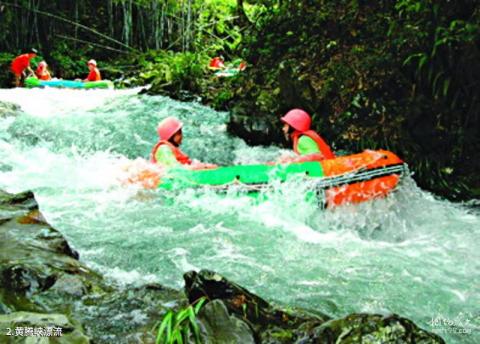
411, 253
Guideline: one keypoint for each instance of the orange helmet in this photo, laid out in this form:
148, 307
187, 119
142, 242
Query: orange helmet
298, 119
168, 127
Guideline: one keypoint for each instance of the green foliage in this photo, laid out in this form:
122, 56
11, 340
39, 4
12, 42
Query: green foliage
6, 76
174, 72
216, 28
222, 97
261, 10
178, 327
69, 33
284, 335
69, 63
401, 75
442, 60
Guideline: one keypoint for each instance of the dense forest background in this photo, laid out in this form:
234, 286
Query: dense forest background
401, 75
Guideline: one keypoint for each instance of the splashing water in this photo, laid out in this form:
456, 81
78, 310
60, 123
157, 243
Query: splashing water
411, 253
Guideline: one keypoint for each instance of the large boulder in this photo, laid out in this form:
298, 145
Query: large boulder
218, 326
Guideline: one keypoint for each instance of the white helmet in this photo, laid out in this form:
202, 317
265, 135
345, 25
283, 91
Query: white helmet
92, 62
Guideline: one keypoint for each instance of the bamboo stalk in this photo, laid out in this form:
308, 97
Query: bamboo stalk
74, 23
76, 19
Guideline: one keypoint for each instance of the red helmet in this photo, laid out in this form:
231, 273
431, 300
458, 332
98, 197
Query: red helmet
168, 127
298, 120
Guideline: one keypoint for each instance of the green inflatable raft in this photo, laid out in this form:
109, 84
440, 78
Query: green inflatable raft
34, 82
347, 179
253, 176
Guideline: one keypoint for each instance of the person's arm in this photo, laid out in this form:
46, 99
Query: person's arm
302, 158
198, 165
30, 71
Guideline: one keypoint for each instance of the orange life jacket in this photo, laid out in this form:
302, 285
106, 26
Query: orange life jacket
94, 75
322, 145
43, 74
45, 77
179, 155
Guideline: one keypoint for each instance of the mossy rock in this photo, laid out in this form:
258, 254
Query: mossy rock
372, 329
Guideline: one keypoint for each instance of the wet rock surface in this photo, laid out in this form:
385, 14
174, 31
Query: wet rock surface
128, 315
218, 326
269, 324
370, 328
33, 255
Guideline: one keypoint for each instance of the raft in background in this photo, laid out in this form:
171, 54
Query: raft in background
34, 82
346, 179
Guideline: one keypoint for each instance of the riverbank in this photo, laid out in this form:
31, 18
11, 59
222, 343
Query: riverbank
45, 285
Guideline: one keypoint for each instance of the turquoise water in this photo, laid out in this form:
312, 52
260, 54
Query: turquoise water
411, 253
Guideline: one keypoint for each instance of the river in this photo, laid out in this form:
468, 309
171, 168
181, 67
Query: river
412, 253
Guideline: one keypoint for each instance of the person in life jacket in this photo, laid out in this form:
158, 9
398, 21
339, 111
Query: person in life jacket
94, 74
20, 64
242, 66
217, 63
42, 72
306, 142
167, 152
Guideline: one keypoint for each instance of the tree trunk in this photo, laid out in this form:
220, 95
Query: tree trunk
127, 21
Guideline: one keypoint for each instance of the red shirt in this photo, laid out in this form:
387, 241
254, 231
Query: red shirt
216, 62
20, 63
94, 75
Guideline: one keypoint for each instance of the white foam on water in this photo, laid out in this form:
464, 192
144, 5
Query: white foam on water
46, 102
126, 278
